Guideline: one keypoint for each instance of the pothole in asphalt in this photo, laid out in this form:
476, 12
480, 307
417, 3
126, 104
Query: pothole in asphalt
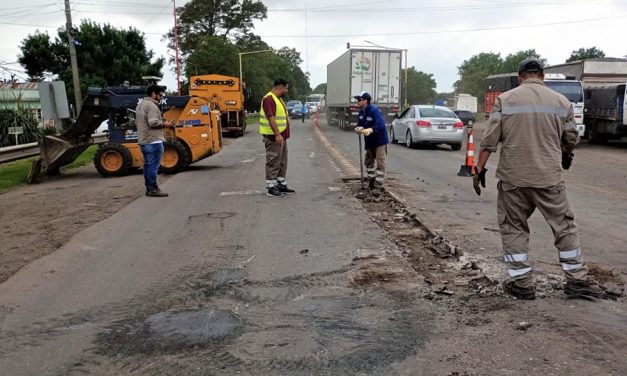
441, 263
170, 332
193, 327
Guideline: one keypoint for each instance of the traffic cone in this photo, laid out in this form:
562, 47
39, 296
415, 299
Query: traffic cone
468, 169
316, 119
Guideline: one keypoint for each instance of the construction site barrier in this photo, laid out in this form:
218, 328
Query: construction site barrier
468, 168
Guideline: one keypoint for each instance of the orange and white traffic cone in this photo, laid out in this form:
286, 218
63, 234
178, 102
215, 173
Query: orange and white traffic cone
316, 119
468, 169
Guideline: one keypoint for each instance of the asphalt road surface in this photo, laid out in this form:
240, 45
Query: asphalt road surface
219, 279
596, 184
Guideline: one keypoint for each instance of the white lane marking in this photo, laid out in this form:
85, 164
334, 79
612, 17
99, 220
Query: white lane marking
312, 155
251, 160
240, 193
242, 265
335, 189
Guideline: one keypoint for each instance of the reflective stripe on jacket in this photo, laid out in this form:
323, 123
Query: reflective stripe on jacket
280, 118
534, 125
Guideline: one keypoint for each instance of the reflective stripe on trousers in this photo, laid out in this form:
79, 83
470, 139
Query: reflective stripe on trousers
516, 204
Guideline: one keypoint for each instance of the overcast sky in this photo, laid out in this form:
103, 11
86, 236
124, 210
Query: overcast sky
439, 36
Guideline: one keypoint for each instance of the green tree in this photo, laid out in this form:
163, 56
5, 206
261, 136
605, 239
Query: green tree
213, 32
511, 61
444, 96
420, 87
229, 19
37, 56
213, 55
106, 56
473, 72
585, 53
320, 89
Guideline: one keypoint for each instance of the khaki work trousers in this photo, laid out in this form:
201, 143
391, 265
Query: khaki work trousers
376, 176
276, 162
514, 207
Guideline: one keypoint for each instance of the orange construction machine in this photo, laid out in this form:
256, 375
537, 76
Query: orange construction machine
195, 136
226, 94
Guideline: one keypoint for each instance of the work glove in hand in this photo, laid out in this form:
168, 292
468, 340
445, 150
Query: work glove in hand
358, 130
367, 131
567, 160
479, 178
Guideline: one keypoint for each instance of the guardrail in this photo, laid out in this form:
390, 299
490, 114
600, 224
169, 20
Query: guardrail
14, 153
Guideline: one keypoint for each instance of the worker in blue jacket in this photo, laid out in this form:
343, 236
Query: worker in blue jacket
372, 126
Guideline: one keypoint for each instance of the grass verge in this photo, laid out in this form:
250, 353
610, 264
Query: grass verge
253, 119
13, 174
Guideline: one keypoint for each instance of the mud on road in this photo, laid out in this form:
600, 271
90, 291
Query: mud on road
36, 220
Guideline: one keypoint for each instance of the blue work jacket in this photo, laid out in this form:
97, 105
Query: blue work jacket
370, 117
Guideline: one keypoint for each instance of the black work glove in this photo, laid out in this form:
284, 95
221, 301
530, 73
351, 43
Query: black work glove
567, 160
479, 178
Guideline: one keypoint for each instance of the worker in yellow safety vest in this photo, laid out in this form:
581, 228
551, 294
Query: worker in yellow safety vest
274, 126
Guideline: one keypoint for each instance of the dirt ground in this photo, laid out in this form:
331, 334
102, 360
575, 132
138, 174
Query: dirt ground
35, 220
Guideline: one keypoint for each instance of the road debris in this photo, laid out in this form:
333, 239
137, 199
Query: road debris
524, 325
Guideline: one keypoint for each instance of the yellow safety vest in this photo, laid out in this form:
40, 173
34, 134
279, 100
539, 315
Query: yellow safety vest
281, 117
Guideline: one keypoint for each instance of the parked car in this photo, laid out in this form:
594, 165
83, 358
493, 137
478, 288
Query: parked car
291, 103
466, 116
103, 127
296, 111
427, 124
313, 106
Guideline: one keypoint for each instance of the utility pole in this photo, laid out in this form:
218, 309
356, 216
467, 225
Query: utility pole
176, 52
73, 62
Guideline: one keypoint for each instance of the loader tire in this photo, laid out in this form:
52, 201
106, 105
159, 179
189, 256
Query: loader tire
175, 157
113, 160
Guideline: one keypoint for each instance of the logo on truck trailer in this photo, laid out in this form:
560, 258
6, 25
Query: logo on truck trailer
362, 65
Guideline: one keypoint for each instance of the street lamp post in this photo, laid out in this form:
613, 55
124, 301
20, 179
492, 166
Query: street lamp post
240, 60
400, 49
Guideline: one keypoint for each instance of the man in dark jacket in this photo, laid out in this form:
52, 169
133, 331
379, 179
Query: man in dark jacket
372, 126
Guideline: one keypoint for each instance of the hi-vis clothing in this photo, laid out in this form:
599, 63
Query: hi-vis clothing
281, 117
535, 125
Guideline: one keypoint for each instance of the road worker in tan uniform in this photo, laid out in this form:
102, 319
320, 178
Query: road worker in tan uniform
537, 132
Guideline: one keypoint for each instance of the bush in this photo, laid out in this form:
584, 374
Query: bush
18, 118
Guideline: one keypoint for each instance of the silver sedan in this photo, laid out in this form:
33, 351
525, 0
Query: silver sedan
425, 124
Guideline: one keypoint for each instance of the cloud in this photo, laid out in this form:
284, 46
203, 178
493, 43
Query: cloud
425, 29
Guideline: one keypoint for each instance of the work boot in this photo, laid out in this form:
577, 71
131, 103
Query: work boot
156, 193
513, 287
284, 189
274, 192
584, 289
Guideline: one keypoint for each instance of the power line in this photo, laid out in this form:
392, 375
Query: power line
449, 31
29, 6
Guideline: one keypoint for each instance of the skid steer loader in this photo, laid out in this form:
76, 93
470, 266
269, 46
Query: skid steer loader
196, 135
226, 94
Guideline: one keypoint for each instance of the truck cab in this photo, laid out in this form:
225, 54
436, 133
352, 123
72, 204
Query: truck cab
573, 90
